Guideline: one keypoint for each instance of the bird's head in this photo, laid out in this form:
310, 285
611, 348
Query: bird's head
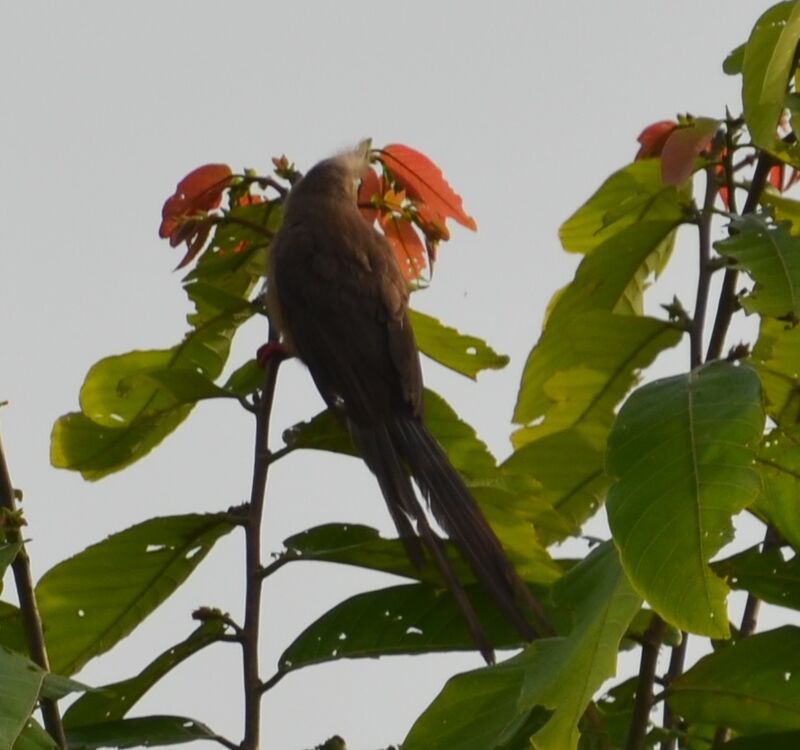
337, 177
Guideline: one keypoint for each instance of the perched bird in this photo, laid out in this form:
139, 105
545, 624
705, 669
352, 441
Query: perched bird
337, 296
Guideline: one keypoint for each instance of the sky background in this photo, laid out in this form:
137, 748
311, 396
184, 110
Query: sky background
526, 106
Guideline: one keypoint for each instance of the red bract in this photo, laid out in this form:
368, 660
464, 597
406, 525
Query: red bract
653, 138
406, 244
200, 191
424, 183
371, 186
682, 146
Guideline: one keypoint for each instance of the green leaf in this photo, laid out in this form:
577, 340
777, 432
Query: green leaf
581, 369
773, 741
682, 451
112, 702
464, 354
771, 257
734, 62
767, 576
144, 731
751, 687
634, 194
33, 737
19, 690
783, 209
545, 689
91, 601
767, 68
95, 451
362, 546
246, 379
776, 358
8, 553
12, 635
131, 402
56, 686
407, 619
571, 474
778, 463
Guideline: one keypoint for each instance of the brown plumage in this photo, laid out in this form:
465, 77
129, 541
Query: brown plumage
339, 299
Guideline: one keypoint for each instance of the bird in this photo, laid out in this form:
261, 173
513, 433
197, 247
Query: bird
338, 298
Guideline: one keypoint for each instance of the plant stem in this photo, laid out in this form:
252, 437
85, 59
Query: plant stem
31, 620
252, 530
644, 686
674, 671
704, 278
727, 297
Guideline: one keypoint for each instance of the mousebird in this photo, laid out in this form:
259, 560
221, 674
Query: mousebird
338, 298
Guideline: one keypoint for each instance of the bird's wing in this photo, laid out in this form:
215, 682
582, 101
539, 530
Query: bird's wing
343, 302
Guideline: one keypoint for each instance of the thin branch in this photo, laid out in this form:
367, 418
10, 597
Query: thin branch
32, 622
704, 278
644, 685
272, 682
252, 529
727, 297
225, 742
277, 564
674, 671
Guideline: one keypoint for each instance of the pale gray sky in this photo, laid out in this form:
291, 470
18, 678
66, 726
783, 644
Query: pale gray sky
527, 107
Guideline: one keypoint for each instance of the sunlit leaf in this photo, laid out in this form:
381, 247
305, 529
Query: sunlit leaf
682, 451
422, 179
783, 209
771, 256
752, 686
778, 463
553, 680
582, 367
463, 353
776, 358
766, 69
19, 689
634, 194
733, 63
112, 702
570, 471
91, 601
143, 731
764, 574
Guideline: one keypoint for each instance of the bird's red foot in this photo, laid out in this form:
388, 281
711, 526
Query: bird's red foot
271, 350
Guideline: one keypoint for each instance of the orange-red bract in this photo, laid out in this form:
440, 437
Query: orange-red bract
683, 146
424, 183
201, 190
371, 185
406, 245
653, 138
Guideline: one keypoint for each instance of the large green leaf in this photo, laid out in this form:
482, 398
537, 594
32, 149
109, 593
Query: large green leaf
751, 686
771, 741
778, 463
582, 367
767, 68
633, 194
467, 355
407, 619
766, 575
545, 690
143, 731
771, 256
776, 357
131, 402
92, 600
33, 737
682, 451
12, 634
19, 689
112, 702
570, 471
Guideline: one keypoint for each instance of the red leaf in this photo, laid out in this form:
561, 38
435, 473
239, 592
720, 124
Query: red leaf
406, 245
653, 138
371, 186
200, 190
424, 182
681, 148
775, 177
431, 222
